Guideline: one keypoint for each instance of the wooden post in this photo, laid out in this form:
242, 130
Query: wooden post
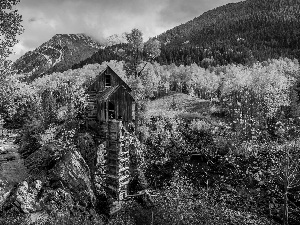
136, 119
1, 126
106, 111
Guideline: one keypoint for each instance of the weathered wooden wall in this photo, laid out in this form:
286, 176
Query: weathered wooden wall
122, 102
91, 109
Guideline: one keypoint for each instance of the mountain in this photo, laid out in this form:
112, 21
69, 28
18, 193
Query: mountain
56, 55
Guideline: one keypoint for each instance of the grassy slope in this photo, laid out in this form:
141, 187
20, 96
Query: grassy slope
186, 106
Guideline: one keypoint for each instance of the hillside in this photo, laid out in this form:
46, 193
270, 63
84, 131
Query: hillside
104, 54
236, 33
57, 54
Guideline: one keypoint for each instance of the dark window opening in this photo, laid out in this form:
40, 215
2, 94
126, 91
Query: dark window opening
111, 111
107, 80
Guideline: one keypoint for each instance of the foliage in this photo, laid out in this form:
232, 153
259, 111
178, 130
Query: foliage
10, 27
134, 56
287, 174
18, 100
253, 96
169, 144
182, 203
238, 176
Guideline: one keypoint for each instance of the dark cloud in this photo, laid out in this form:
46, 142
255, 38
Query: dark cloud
42, 19
32, 19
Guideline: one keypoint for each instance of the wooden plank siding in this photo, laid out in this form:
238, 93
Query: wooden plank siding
91, 106
122, 102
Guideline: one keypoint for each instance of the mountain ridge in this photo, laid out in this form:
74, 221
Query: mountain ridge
57, 54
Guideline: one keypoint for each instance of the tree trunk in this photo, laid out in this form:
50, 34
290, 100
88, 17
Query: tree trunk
286, 209
286, 186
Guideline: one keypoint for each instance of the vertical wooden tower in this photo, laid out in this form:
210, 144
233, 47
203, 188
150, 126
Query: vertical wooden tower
117, 172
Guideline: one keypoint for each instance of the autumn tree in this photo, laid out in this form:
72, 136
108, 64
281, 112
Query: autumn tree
137, 58
10, 27
140, 52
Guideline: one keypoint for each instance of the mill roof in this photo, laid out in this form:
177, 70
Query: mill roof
104, 96
92, 85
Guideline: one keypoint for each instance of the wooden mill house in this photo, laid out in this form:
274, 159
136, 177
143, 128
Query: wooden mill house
110, 105
109, 98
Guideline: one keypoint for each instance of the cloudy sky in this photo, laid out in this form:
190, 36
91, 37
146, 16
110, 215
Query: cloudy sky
42, 19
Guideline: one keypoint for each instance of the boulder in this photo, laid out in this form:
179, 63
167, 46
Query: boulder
36, 203
23, 198
73, 174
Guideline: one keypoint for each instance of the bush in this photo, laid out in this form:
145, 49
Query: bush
183, 203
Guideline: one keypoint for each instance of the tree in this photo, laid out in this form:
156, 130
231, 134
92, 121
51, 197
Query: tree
138, 51
10, 27
287, 174
134, 57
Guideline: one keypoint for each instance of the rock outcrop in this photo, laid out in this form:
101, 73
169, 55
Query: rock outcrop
66, 193
4, 192
72, 173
